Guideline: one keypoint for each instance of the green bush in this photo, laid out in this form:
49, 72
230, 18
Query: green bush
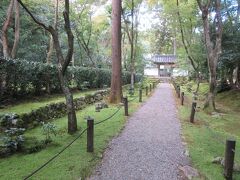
12, 141
49, 129
32, 145
32, 78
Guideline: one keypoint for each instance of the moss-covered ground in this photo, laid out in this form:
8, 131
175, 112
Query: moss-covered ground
74, 162
206, 137
28, 105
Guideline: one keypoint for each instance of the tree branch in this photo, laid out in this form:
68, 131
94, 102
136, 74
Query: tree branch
69, 35
183, 40
34, 19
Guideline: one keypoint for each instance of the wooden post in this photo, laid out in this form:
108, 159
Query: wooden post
146, 90
182, 98
125, 101
150, 87
229, 159
90, 134
194, 105
178, 91
153, 85
176, 88
140, 95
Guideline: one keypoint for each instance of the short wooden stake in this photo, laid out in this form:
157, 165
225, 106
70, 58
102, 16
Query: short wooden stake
178, 91
90, 134
150, 87
140, 95
146, 90
125, 101
229, 159
182, 98
194, 106
176, 88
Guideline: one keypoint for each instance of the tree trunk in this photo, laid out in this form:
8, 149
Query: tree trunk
17, 30
213, 47
198, 79
210, 101
50, 50
7, 23
238, 76
51, 46
72, 119
132, 48
116, 81
230, 76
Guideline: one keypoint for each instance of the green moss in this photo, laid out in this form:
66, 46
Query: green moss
27, 107
206, 138
75, 162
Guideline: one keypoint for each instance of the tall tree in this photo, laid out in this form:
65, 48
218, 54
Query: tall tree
187, 43
116, 81
7, 51
62, 62
213, 44
132, 32
17, 30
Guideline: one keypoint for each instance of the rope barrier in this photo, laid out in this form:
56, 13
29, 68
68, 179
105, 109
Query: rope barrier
109, 116
68, 145
55, 156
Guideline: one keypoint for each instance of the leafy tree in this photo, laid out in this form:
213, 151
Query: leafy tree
130, 18
213, 46
62, 62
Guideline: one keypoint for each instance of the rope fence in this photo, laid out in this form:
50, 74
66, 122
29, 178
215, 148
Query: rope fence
75, 139
224, 140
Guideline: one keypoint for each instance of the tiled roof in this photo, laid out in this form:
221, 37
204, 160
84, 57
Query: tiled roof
164, 58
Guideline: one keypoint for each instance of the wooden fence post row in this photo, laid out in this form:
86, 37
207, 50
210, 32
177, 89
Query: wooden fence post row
229, 159
90, 134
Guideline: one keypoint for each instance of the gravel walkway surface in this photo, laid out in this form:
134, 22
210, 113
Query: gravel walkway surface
150, 146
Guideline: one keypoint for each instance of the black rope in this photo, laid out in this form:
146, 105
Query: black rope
66, 147
133, 99
109, 116
55, 156
60, 152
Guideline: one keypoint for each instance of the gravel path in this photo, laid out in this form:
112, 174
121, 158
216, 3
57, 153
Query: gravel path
150, 146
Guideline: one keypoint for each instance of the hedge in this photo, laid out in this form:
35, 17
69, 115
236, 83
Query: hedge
22, 78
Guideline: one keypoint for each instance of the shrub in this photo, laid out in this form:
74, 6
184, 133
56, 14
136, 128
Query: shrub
32, 145
26, 78
49, 129
12, 141
11, 120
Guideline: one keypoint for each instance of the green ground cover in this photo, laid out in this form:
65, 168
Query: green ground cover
29, 105
75, 162
206, 137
